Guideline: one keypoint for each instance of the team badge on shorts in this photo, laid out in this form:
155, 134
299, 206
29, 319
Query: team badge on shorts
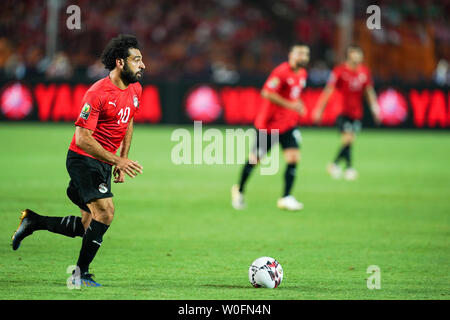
85, 111
103, 188
135, 102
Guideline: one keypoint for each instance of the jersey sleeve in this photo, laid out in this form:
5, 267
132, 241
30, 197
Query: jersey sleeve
90, 110
275, 81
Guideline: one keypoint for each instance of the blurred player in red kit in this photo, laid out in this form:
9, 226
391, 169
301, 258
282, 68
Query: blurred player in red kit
104, 125
279, 116
353, 79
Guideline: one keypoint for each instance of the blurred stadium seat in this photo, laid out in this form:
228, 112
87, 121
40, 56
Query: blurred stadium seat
224, 39
229, 45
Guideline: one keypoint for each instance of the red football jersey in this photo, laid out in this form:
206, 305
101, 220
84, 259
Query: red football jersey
288, 84
107, 110
351, 83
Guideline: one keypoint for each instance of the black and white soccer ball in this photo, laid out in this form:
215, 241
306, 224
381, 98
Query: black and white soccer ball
265, 272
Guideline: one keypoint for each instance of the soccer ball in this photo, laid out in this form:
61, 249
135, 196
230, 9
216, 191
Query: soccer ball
265, 272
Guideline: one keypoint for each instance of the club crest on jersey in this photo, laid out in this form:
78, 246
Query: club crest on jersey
85, 111
135, 102
273, 83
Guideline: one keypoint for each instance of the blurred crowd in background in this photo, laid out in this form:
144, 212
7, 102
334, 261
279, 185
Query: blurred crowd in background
227, 41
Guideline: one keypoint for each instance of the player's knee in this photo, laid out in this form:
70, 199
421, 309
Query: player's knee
105, 216
104, 213
292, 156
108, 214
347, 138
253, 159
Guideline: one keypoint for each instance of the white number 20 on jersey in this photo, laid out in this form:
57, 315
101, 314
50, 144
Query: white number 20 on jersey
124, 114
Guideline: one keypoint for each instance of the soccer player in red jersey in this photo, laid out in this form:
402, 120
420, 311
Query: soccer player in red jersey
104, 125
279, 117
353, 79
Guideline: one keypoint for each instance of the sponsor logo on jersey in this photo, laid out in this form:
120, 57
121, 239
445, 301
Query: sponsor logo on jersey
85, 111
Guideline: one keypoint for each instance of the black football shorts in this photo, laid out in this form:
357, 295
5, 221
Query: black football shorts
264, 142
90, 179
347, 124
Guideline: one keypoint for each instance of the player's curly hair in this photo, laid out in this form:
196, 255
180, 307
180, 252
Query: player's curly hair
117, 48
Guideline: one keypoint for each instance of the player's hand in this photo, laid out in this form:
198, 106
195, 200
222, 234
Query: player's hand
377, 118
130, 167
119, 175
299, 107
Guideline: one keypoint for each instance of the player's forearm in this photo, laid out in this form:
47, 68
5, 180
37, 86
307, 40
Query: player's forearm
91, 146
323, 99
127, 141
276, 99
372, 98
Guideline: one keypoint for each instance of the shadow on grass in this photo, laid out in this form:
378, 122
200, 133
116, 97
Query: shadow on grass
229, 286
225, 286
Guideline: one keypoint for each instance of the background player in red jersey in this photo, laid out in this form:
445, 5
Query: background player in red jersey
104, 125
353, 79
279, 116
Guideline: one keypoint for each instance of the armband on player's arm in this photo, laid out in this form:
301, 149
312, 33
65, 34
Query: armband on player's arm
85, 141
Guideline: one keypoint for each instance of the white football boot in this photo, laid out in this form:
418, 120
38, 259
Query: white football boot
289, 203
350, 174
334, 170
237, 198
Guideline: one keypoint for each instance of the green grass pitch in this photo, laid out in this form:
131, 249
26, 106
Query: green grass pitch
175, 235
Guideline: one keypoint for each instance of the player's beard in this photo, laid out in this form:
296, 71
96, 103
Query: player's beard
128, 76
301, 64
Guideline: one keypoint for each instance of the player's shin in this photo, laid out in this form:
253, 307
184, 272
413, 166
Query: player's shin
92, 241
342, 154
348, 156
289, 177
248, 167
